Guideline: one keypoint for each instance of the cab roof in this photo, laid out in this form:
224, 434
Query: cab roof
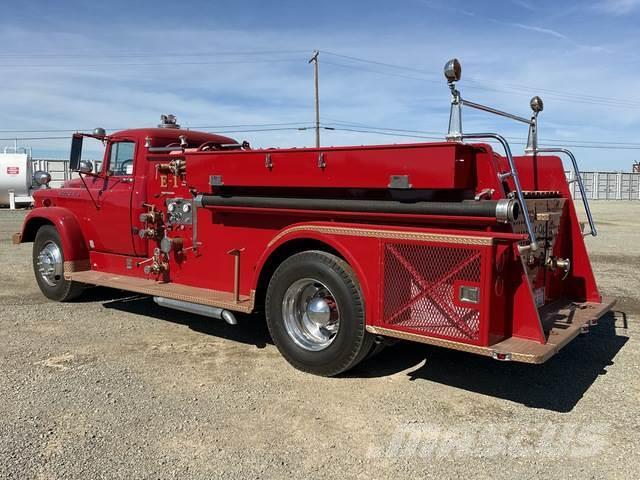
162, 136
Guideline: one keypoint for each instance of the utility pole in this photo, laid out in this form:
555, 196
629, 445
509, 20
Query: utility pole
314, 60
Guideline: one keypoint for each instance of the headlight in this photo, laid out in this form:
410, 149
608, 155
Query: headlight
41, 177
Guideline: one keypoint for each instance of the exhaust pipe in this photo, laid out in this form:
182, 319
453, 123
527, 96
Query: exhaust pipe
198, 309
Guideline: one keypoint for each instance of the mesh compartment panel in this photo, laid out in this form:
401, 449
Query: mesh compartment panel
419, 286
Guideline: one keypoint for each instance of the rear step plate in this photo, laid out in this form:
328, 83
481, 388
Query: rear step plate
562, 326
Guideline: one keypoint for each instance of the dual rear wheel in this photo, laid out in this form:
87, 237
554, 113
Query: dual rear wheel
316, 315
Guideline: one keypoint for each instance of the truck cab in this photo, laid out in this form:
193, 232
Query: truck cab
107, 203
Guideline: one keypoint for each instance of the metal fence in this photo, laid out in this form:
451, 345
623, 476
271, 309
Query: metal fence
607, 185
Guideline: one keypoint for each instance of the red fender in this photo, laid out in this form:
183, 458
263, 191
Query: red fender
74, 245
293, 232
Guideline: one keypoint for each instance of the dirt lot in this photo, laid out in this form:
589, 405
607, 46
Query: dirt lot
114, 387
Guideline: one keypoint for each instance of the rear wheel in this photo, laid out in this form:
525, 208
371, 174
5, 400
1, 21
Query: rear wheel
48, 266
315, 313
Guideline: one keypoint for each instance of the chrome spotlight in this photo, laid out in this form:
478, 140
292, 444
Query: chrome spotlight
85, 166
453, 70
536, 104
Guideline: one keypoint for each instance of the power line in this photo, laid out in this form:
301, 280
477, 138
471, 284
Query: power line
480, 87
513, 142
11, 139
514, 88
546, 140
208, 127
354, 127
335, 124
383, 132
484, 84
155, 64
262, 130
147, 54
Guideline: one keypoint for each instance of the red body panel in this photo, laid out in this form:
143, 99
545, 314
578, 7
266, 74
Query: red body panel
445, 166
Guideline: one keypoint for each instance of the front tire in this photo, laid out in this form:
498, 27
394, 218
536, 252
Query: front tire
315, 313
48, 266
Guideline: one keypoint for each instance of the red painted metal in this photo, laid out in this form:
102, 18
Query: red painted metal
66, 223
419, 290
409, 268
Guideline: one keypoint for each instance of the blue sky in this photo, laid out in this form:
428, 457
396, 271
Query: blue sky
76, 65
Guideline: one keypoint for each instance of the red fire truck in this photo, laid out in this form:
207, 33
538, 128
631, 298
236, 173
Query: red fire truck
343, 248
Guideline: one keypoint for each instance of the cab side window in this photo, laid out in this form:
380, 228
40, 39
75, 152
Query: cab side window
121, 158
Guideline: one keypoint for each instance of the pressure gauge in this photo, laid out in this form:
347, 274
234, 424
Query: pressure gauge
179, 211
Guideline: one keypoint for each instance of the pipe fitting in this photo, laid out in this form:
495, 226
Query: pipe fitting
507, 210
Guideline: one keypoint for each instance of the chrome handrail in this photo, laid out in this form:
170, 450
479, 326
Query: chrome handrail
513, 173
578, 175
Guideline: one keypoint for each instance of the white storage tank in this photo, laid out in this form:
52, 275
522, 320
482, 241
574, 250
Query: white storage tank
15, 174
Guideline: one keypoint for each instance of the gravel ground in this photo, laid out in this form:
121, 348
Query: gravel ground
113, 386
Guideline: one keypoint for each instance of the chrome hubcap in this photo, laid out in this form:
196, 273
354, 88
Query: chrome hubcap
311, 314
49, 264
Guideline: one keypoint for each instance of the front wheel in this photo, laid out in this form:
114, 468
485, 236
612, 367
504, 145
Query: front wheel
48, 266
315, 313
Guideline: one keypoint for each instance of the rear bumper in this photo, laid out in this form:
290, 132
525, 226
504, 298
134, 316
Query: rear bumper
562, 322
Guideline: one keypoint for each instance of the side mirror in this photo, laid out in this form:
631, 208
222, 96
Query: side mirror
85, 166
76, 153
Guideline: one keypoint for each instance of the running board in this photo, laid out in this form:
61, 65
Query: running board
569, 323
176, 291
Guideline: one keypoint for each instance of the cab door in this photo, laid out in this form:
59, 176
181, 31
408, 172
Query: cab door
111, 224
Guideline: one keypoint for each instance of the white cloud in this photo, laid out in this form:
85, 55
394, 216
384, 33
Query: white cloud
617, 7
546, 31
230, 94
524, 4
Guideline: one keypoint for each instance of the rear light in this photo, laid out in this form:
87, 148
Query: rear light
501, 356
469, 294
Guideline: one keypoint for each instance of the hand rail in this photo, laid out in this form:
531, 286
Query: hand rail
513, 173
576, 170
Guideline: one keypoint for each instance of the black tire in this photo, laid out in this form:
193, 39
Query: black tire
375, 350
350, 344
58, 288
